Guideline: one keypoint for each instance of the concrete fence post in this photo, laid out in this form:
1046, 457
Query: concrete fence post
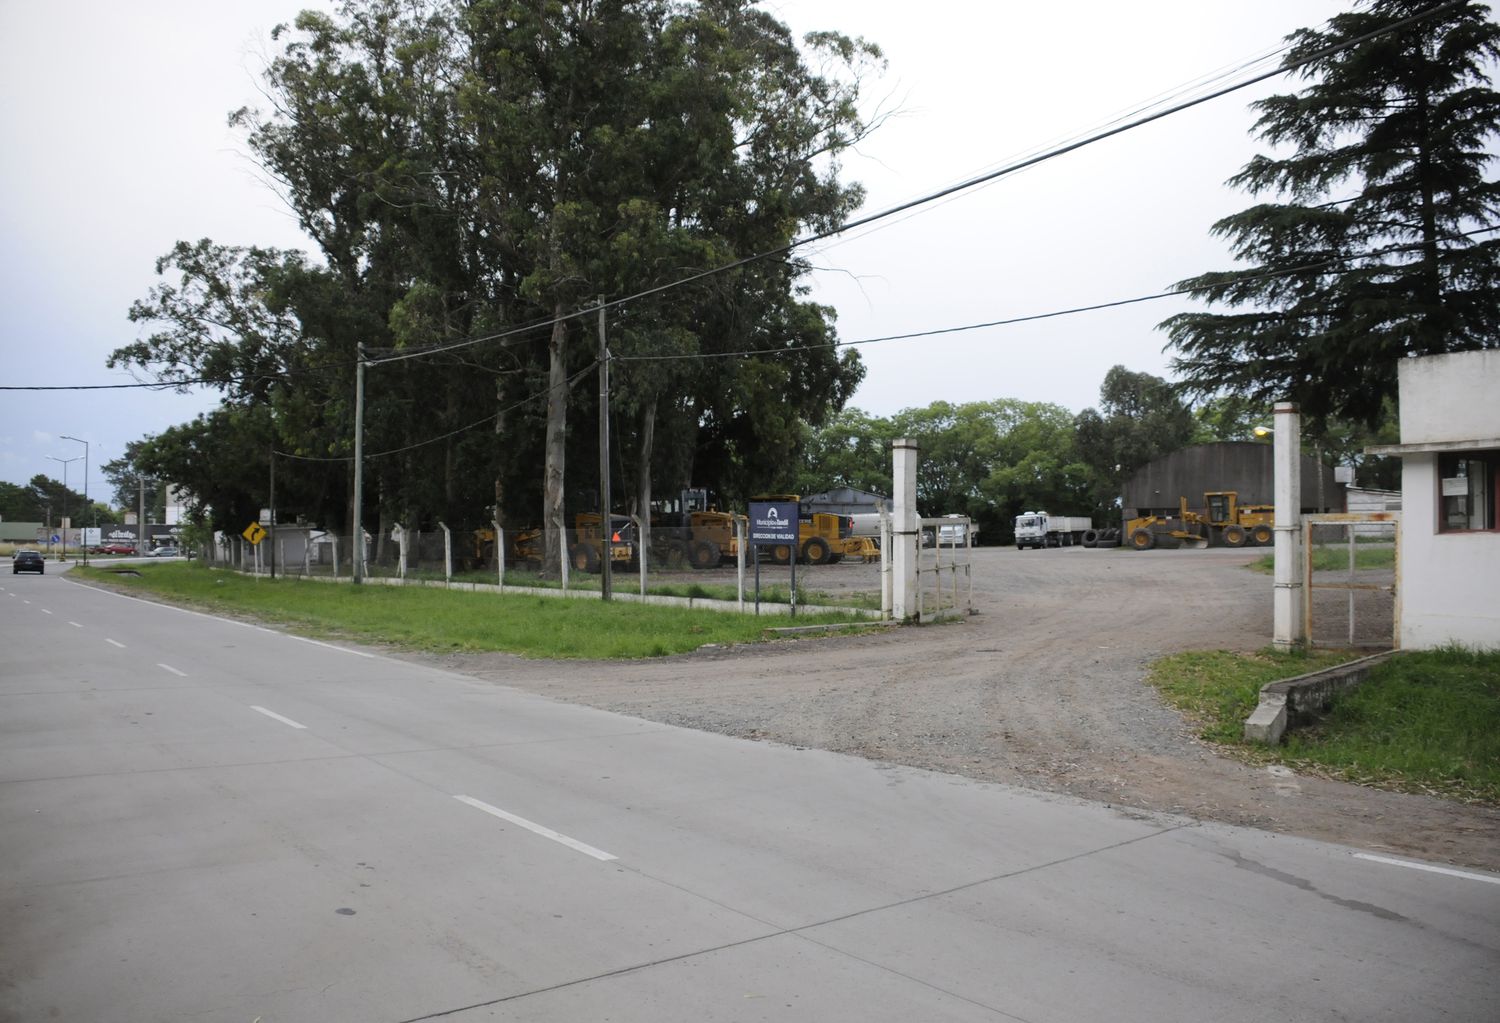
1288, 596
400, 532
904, 532
447, 552
499, 555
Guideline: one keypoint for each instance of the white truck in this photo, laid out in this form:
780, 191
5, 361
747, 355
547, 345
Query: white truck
1038, 529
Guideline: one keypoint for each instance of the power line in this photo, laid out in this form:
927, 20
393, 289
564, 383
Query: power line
972, 182
1053, 314
851, 225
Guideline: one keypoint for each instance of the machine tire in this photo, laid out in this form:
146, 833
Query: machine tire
815, 551
1261, 535
704, 554
781, 554
1234, 536
1143, 539
584, 558
1090, 537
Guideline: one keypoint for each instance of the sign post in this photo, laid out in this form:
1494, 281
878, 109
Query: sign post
773, 523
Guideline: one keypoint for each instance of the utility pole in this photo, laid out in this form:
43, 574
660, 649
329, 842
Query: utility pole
606, 525
357, 551
81, 541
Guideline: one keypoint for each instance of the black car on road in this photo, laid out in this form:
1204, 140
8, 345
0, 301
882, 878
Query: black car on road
28, 561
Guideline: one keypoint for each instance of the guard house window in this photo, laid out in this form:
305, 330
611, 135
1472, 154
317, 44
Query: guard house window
1469, 490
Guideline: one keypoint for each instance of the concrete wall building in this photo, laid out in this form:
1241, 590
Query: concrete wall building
1450, 484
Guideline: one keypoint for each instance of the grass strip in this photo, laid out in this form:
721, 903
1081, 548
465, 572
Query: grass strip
1424, 721
1335, 558
445, 621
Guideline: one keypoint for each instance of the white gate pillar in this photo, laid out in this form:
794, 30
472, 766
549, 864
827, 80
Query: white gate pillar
1288, 595
904, 529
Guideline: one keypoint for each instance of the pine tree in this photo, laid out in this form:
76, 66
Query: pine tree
1378, 241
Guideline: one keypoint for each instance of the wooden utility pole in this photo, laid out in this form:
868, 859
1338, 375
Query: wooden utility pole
357, 538
606, 525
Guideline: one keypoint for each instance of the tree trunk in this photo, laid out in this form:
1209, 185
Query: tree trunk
557, 431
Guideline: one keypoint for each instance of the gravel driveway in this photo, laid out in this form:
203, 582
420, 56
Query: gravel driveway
1041, 688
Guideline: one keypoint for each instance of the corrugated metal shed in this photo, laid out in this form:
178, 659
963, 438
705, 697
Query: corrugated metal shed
845, 501
1242, 466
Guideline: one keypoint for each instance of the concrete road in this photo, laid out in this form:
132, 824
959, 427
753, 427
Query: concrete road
203, 820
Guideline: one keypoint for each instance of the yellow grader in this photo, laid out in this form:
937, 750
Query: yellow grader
1223, 522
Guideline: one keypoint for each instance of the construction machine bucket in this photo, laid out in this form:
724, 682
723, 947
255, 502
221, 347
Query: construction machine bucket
1196, 543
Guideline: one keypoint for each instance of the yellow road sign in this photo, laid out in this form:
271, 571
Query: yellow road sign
254, 532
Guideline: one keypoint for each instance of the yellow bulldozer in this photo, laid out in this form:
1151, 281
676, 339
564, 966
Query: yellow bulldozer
1223, 522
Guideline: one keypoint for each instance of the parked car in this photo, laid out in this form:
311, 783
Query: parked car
28, 561
163, 552
117, 548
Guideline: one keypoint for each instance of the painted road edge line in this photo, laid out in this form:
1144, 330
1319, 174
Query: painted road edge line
115, 642
571, 843
273, 714
1466, 875
168, 667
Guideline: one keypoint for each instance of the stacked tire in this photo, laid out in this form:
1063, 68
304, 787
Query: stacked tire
1101, 538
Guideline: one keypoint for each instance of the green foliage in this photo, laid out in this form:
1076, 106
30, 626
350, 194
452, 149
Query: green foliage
467, 169
440, 620
1139, 419
1425, 721
1371, 245
45, 500
1218, 689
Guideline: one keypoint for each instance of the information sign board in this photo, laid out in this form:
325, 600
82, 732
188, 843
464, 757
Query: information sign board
773, 522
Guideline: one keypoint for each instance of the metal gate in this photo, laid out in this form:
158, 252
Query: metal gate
1350, 577
945, 585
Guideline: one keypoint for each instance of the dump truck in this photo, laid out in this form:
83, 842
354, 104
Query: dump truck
821, 536
1038, 529
1223, 522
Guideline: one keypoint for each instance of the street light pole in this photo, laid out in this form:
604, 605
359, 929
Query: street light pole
85, 492
66, 518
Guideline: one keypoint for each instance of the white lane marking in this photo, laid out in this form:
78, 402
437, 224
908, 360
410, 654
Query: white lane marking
168, 667
45, 611
316, 642
1486, 878
114, 642
571, 843
26, 602
278, 717
75, 625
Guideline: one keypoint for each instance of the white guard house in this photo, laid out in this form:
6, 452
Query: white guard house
1450, 483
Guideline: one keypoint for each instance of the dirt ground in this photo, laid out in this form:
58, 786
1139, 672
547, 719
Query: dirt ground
1042, 688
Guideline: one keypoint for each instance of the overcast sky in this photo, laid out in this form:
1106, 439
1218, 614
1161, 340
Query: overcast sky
116, 146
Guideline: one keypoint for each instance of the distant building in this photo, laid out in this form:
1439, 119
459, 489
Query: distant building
1449, 589
22, 532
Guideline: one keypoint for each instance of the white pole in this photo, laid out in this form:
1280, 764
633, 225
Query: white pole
905, 537
1288, 596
